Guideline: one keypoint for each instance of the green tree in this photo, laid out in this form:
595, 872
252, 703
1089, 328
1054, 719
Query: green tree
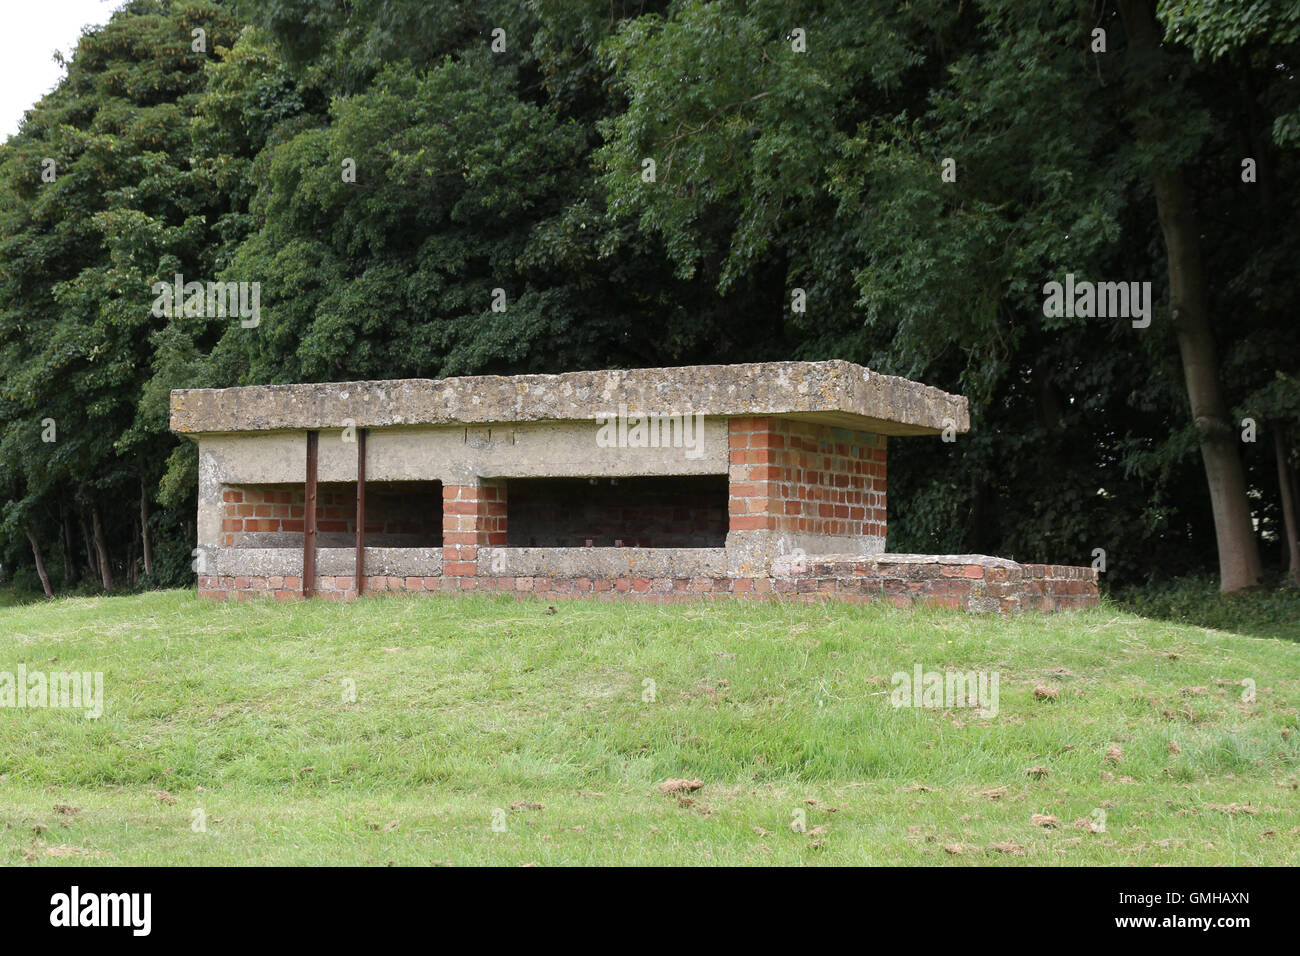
1053, 151
101, 198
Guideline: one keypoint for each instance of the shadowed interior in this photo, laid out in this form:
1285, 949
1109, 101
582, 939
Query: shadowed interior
649, 512
399, 514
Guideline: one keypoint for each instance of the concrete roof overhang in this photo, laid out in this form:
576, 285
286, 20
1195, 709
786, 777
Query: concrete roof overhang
835, 393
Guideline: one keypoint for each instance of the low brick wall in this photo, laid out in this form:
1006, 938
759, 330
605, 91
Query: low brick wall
971, 582
974, 583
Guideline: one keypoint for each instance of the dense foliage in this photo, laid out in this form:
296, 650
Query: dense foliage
650, 183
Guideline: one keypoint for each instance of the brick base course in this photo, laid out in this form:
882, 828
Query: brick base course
968, 582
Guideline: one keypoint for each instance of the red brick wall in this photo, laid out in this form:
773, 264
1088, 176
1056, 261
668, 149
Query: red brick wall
397, 514
253, 509
798, 477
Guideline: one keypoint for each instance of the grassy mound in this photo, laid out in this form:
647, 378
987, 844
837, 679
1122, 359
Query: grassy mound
492, 730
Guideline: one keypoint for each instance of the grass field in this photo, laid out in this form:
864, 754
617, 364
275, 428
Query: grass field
490, 730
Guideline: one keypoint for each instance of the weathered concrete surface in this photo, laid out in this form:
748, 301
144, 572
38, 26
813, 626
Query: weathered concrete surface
459, 455
329, 561
834, 392
757, 553
980, 560
602, 562
797, 565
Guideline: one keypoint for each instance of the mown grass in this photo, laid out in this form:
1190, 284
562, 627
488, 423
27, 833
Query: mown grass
470, 708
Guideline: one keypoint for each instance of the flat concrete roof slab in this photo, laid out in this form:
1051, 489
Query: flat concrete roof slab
835, 393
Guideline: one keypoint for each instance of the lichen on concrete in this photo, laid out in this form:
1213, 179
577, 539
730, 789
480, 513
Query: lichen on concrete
832, 392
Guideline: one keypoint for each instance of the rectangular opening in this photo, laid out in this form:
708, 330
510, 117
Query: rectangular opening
399, 514
643, 512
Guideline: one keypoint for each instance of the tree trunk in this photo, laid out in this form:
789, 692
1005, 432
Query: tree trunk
1239, 561
144, 531
70, 574
132, 569
101, 548
92, 562
979, 524
40, 564
1286, 485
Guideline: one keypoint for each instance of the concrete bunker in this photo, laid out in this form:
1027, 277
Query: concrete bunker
765, 479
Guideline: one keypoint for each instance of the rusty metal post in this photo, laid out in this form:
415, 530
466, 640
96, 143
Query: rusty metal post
361, 510
309, 522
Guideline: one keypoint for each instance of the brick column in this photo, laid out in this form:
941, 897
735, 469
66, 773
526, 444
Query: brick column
755, 492
473, 516
808, 480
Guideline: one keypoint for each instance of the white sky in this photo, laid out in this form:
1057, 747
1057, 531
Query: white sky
32, 30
